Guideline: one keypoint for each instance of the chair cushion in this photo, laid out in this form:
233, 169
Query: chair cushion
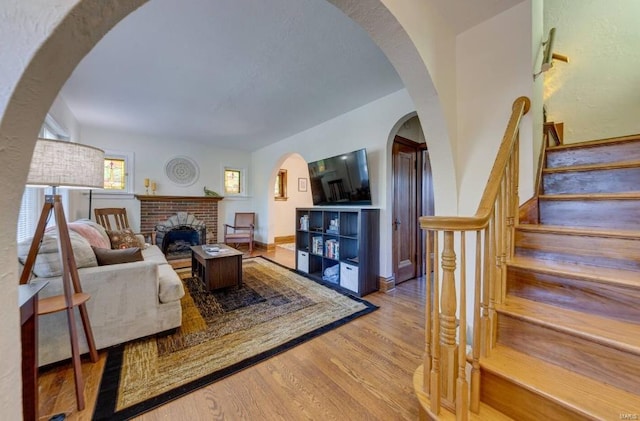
123, 239
106, 256
238, 236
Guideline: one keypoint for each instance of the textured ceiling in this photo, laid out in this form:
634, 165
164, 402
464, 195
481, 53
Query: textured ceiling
234, 73
238, 73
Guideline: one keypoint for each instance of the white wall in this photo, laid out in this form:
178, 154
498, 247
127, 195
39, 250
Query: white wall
431, 84
283, 212
63, 115
537, 98
151, 154
412, 130
499, 75
435, 40
366, 127
489, 80
595, 94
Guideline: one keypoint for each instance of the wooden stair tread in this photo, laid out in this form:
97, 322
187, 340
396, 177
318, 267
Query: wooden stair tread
581, 231
58, 302
592, 167
592, 398
598, 142
587, 272
593, 196
486, 413
617, 334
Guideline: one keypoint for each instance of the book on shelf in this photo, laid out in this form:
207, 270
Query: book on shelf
316, 245
332, 249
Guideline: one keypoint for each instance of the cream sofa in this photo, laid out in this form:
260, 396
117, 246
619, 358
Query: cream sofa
128, 301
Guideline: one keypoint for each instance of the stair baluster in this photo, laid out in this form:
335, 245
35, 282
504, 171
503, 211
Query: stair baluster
462, 387
435, 362
449, 353
475, 362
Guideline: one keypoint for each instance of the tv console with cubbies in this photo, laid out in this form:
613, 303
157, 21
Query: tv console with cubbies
339, 246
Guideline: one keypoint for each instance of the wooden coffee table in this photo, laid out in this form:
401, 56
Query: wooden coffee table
217, 270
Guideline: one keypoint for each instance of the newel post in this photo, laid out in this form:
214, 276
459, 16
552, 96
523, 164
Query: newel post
448, 345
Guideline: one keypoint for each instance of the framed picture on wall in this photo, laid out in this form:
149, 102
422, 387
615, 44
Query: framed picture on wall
302, 184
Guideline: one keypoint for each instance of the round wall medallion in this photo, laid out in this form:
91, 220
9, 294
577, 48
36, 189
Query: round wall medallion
182, 170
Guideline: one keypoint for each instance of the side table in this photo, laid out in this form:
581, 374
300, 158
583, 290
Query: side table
28, 303
217, 270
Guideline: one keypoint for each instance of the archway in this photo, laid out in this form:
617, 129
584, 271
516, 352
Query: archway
282, 212
46, 44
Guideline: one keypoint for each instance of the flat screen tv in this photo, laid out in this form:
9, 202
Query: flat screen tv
341, 180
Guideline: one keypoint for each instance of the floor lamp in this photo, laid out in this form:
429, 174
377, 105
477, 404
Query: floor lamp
69, 165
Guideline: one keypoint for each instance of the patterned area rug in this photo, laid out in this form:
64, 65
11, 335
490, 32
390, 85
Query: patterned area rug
221, 333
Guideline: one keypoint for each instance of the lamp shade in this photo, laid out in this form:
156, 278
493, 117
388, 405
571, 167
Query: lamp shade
66, 164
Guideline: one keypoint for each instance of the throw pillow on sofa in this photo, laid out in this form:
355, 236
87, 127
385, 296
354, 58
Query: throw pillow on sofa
123, 239
48, 262
113, 257
105, 242
90, 233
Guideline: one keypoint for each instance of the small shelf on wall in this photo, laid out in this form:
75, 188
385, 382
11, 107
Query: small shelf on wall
339, 247
159, 198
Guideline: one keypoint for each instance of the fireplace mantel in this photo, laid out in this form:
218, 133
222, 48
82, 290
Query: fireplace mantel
156, 198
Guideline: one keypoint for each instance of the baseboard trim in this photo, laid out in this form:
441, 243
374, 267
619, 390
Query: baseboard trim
284, 239
386, 284
264, 246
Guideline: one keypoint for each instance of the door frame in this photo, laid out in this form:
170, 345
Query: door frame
419, 149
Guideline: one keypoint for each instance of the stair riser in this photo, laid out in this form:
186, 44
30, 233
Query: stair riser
519, 403
617, 253
613, 214
602, 154
600, 362
614, 301
617, 180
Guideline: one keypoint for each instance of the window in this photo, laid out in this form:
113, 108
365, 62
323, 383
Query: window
114, 174
29, 212
232, 181
117, 169
280, 189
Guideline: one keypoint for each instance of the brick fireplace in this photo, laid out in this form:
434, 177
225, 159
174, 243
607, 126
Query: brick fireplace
157, 209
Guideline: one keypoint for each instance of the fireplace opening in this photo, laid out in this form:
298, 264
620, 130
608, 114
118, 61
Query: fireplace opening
176, 235
177, 243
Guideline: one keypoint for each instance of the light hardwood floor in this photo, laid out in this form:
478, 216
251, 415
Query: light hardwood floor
360, 371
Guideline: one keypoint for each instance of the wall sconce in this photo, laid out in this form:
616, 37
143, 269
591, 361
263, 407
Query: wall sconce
549, 55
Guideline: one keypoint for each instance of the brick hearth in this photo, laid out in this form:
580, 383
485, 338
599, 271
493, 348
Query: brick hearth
157, 209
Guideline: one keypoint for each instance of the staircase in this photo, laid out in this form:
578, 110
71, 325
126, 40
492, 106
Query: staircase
568, 330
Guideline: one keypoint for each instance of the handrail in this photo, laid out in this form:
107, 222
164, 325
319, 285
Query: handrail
481, 218
441, 381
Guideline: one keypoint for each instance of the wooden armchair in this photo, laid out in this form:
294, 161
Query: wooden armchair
104, 216
241, 231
